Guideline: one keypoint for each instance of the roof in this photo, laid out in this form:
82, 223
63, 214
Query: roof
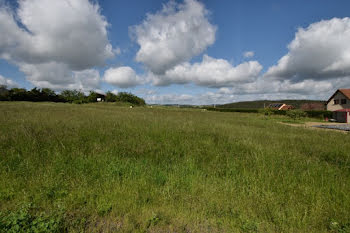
275, 105
343, 110
286, 107
345, 92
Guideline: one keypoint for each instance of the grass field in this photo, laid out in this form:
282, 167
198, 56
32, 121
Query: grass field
107, 168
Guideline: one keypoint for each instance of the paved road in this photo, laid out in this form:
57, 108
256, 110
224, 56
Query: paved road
345, 127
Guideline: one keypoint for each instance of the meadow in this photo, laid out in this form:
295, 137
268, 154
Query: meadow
106, 168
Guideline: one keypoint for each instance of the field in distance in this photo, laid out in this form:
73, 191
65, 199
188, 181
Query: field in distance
106, 168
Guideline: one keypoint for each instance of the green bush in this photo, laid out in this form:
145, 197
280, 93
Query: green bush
233, 110
79, 101
23, 220
110, 97
296, 114
132, 99
319, 114
266, 111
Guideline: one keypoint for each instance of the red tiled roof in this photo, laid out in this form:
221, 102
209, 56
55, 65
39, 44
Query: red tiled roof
345, 92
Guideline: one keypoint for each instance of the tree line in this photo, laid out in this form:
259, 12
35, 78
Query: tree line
66, 96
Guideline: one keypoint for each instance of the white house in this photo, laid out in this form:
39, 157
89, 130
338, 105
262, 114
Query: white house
339, 104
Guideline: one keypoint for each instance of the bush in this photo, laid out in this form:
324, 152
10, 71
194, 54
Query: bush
233, 110
110, 97
23, 220
79, 102
73, 96
132, 99
266, 111
319, 114
296, 114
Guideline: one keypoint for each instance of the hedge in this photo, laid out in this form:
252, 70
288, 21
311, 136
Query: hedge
311, 113
233, 110
319, 113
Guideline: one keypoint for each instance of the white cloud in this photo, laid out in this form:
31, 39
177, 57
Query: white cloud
319, 52
248, 54
67, 36
210, 72
7, 82
169, 99
58, 76
122, 77
174, 35
115, 91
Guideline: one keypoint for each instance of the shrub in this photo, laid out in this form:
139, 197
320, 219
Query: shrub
128, 97
23, 220
296, 114
73, 96
110, 97
79, 101
233, 110
266, 111
319, 114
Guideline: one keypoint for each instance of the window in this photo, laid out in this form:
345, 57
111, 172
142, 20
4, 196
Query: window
336, 101
343, 101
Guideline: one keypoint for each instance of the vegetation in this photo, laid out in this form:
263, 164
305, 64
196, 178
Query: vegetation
234, 110
70, 96
130, 98
296, 114
100, 168
304, 104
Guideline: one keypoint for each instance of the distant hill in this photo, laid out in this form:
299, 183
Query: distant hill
262, 103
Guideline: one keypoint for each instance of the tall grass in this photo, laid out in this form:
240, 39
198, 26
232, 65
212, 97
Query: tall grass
102, 167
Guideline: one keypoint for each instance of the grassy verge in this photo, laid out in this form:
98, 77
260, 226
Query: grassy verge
102, 167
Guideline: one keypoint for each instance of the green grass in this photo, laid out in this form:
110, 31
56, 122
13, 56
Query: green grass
107, 168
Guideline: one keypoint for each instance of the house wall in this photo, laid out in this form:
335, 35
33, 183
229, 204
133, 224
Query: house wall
333, 107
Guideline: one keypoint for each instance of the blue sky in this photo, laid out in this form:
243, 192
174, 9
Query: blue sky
204, 64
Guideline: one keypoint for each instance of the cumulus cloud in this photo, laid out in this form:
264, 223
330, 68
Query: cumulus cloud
319, 52
169, 99
7, 82
173, 35
115, 91
210, 72
229, 95
123, 77
58, 76
248, 54
44, 36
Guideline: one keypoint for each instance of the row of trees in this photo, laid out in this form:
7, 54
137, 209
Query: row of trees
70, 96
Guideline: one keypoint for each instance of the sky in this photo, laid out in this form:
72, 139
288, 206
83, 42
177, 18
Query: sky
178, 51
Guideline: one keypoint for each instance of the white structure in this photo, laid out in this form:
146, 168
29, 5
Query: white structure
339, 104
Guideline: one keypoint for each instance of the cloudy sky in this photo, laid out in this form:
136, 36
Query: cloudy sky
183, 51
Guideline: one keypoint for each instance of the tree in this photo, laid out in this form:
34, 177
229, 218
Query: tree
128, 97
73, 95
18, 94
92, 97
4, 93
110, 97
35, 95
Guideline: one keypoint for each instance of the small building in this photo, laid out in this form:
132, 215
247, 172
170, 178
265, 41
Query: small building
279, 106
100, 97
339, 104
